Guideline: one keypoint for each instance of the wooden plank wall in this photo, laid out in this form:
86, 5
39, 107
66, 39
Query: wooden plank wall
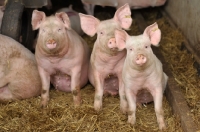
186, 16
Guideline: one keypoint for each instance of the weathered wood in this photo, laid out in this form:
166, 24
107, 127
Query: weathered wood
186, 42
185, 14
173, 94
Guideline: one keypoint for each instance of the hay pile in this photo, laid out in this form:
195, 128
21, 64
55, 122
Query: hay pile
61, 115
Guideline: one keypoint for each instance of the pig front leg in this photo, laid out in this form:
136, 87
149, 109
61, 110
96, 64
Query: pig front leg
75, 86
131, 99
45, 78
158, 96
123, 101
99, 83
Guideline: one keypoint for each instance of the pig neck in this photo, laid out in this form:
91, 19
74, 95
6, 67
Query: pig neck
106, 56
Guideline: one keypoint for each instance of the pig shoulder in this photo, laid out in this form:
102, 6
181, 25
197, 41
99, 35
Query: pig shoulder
80, 45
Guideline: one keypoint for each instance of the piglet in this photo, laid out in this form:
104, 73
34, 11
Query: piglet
142, 70
106, 61
74, 19
61, 54
19, 77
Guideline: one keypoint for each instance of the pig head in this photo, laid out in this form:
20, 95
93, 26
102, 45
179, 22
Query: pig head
62, 55
142, 71
106, 61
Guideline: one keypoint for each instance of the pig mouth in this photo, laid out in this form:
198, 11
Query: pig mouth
51, 45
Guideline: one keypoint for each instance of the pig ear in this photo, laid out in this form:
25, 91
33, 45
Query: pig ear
89, 24
63, 17
121, 37
37, 18
123, 16
154, 33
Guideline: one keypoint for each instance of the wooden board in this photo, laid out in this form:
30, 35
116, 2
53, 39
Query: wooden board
185, 14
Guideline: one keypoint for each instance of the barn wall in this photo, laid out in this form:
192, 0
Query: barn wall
186, 15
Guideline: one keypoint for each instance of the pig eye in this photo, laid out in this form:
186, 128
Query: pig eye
101, 33
131, 49
146, 47
59, 29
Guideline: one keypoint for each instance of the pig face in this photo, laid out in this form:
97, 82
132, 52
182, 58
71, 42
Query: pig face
105, 29
139, 52
52, 32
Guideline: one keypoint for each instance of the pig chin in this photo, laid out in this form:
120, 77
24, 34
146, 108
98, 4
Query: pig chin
52, 49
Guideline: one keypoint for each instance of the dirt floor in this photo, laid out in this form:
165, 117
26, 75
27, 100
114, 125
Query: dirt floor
62, 116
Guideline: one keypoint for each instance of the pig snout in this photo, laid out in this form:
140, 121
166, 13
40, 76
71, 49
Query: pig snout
140, 59
51, 44
112, 44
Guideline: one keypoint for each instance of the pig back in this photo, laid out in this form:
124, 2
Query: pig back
19, 66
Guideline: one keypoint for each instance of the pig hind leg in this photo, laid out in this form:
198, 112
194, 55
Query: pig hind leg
5, 94
111, 85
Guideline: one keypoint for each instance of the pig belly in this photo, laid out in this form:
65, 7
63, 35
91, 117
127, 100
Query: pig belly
144, 96
111, 85
61, 82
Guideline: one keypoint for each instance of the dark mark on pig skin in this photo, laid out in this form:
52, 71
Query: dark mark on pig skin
130, 112
97, 97
75, 92
44, 91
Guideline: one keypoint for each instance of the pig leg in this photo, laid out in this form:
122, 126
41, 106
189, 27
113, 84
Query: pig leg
45, 78
158, 95
99, 83
5, 93
131, 99
75, 86
123, 101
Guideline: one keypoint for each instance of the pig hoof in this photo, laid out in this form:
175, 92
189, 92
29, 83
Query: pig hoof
162, 126
77, 102
98, 107
123, 110
131, 120
43, 106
